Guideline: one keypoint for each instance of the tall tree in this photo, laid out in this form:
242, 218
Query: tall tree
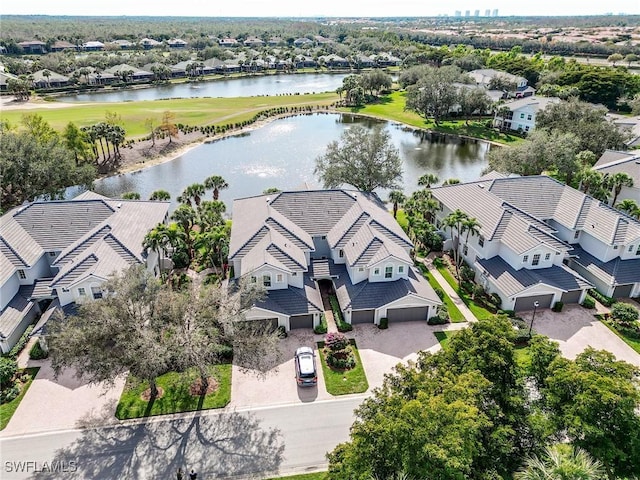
396, 197
455, 222
215, 183
434, 95
366, 160
427, 180
76, 141
617, 182
168, 126
160, 195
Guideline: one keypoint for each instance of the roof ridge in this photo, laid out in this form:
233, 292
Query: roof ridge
262, 227
115, 239
68, 272
285, 254
14, 251
83, 242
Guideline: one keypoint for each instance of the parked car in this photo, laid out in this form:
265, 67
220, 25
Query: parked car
306, 373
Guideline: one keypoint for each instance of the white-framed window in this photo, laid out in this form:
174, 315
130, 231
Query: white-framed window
361, 269
481, 241
279, 278
82, 292
52, 254
526, 129
638, 250
630, 248
522, 115
266, 279
536, 259
294, 274
341, 253
615, 247
400, 269
21, 274
576, 235
529, 117
547, 256
525, 259
96, 292
388, 271
376, 271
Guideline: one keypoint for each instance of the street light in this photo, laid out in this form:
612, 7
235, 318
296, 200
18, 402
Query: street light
536, 304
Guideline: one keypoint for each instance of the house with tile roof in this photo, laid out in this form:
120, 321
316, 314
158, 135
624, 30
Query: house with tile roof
614, 161
298, 243
543, 241
57, 254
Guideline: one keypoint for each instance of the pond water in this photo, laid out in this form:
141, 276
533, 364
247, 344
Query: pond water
276, 84
282, 154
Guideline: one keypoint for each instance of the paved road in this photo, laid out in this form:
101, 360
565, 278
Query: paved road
288, 439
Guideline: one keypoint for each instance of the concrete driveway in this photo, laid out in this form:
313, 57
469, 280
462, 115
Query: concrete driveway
576, 328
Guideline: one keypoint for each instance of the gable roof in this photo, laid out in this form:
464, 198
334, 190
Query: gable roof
533, 102
294, 301
613, 161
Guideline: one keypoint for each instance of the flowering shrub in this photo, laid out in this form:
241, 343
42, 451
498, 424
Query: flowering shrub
335, 341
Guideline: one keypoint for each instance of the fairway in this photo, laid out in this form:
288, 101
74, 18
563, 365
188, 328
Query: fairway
188, 111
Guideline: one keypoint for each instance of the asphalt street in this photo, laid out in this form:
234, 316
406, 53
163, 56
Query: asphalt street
218, 445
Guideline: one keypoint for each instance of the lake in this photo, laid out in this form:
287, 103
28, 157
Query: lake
276, 84
282, 154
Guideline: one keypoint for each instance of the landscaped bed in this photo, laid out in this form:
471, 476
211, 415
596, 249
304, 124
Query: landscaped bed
8, 409
177, 394
455, 315
632, 341
343, 381
478, 311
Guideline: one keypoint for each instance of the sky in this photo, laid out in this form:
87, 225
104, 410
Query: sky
312, 8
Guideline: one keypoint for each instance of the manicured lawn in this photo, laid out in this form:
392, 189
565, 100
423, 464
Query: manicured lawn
479, 311
304, 476
402, 220
8, 409
454, 312
176, 396
188, 111
631, 341
444, 336
343, 383
391, 107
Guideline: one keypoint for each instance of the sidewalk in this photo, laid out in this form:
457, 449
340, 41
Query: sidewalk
428, 262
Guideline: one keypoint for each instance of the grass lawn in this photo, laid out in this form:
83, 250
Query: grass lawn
631, 341
304, 476
189, 111
391, 107
454, 312
402, 220
176, 396
479, 311
8, 409
444, 336
343, 383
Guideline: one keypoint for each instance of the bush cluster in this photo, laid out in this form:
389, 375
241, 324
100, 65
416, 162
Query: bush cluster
603, 299
338, 351
589, 302
37, 353
17, 348
441, 317
384, 323
321, 329
557, 307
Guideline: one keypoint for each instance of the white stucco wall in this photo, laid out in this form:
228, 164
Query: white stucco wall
356, 275
395, 264
73, 292
273, 273
39, 270
406, 302
9, 289
597, 248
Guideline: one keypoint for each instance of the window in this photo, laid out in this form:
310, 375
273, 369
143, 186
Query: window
630, 248
294, 274
341, 253
96, 292
536, 259
253, 279
21, 274
376, 271
525, 259
388, 272
526, 129
401, 269
324, 237
638, 250
52, 254
361, 269
481, 241
82, 292
576, 235
465, 250
279, 278
522, 115
529, 117
547, 256
615, 247
266, 280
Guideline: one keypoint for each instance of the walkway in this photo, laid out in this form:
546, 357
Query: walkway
428, 262
328, 311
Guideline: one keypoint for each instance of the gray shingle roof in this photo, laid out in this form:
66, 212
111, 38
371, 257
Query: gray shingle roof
512, 282
370, 295
13, 313
612, 162
294, 301
613, 272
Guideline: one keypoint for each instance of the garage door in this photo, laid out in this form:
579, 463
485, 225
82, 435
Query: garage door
407, 314
301, 321
362, 316
526, 303
571, 297
623, 291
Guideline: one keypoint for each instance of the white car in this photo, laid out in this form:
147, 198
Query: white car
306, 373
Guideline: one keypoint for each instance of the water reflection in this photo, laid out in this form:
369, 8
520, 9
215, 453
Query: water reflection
282, 155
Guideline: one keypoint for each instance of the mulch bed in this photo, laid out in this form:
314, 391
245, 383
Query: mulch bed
195, 389
146, 395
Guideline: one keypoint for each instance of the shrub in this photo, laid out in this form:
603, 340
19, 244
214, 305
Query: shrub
508, 313
441, 317
438, 262
439, 292
478, 291
557, 307
9, 394
336, 341
281, 332
467, 274
335, 308
321, 329
344, 326
384, 323
589, 302
17, 348
37, 353
8, 369
495, 300
624, 313
522, 330
343, 359
603, 299
466, 287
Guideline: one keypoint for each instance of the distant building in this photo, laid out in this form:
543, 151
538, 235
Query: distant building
487, 12
467, 13
458, 13
495, 12
34, 46
476, 13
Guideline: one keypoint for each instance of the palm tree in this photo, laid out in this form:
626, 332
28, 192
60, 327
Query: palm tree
160, 195
561, 462
194, 192
156, 240
455, 221
210, 214
397, 198
215, 183
130, 196
47, 75
616, 182
590, 180
629, 206
472, 227
427, 180
185, 217
451, 181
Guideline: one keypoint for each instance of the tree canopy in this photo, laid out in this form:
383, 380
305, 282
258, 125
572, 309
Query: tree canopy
365, 159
